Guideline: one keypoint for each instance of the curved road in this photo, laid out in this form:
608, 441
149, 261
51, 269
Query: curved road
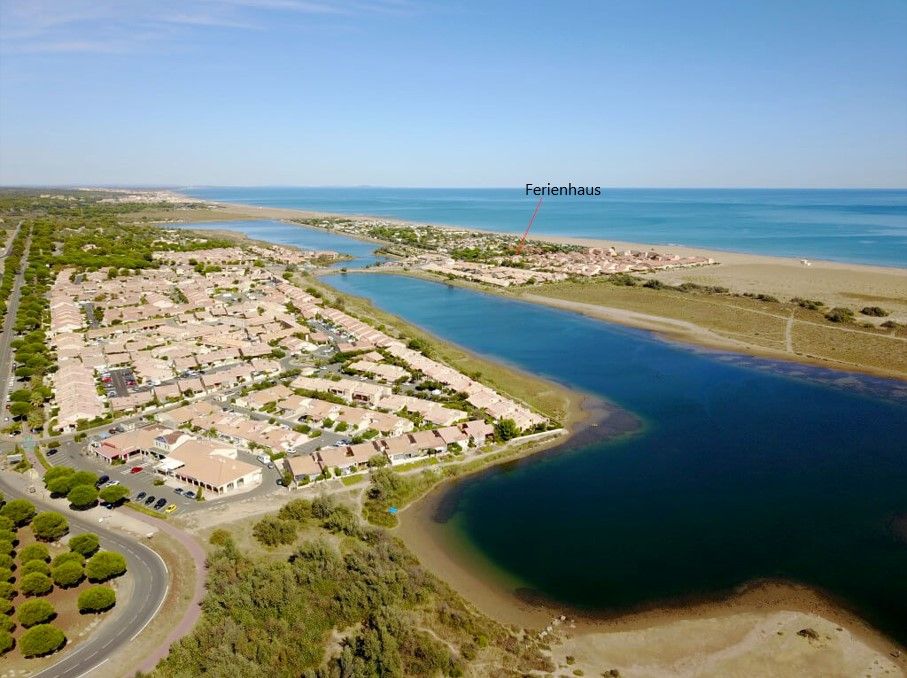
151, 582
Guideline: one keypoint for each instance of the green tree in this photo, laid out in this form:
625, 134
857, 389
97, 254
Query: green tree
85, 544
68, 574
113, 494
6, 574
97, 599
34, 566
272, 531
84, 478
68, 557
506, 429
34, 552
105, 565
36, 611
83, 496
49, 525
20, 511
6, 642
41, 640
36, 584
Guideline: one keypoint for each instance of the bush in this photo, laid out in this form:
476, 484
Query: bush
839, 314
874, 311
9, 535
6, 574
6, 547
83, 496
7, 591
34, 552
299, 510
105, 565
49, 526
85, 544
34, 566
220, 537
36, 584
68, 574
272, 531
5, 523
6, 623
19, 511
68, 557
97, 599
33, 612
6, 561
6, 642
41, 640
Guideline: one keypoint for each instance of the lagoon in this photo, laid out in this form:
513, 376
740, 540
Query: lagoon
744, 469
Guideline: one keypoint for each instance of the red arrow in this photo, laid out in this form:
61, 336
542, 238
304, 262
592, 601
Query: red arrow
519, 247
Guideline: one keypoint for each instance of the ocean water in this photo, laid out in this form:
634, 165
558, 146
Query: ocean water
860, 226
744, 469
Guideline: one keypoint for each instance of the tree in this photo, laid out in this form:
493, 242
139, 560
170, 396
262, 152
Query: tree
68, 557
20, 511
49, 525
36, 611
105, 565
68, 574
84, 478
34, 566
114, 494
83, 496
36, 584
6, 642
97, 599
34, 552
85, 544
41, 640
6, 574
506, 429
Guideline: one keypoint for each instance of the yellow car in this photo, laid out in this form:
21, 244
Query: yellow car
170, 509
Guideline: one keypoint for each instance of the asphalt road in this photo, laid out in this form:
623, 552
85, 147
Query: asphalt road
7, 332
151, 582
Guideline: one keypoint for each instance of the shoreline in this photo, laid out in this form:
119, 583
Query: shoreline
419, 532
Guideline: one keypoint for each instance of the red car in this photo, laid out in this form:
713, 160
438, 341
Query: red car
135, 469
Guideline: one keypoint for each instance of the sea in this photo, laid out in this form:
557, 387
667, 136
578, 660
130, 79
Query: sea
857, 226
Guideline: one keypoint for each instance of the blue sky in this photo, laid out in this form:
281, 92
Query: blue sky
436, 93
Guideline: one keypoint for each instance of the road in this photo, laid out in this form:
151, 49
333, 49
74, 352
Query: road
5, 352
151, 582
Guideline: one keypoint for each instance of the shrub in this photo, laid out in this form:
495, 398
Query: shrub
874, 311
96, 599
85, 544
6, 574
41, 640
68, 574
34, 566
839, 314
299, 510
220, 537
5, 523
49, 526
6, 561
105, 565
6, 642
83, 496
272, 531
7, 591
19, 511
6, 547
9, 535
34, 552
68, 557
36, 584
33, 612
6, 623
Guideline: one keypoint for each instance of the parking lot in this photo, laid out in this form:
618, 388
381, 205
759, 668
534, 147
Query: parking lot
76, 455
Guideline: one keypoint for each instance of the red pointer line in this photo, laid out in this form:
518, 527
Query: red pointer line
519, 247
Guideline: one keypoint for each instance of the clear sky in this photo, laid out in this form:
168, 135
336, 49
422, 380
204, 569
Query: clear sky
442, 93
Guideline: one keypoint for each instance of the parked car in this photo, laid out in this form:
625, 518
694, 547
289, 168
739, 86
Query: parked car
170, 509
150, 500
52, 451
111, 483
178, 490
141, 495
160, 503
102, 480
135, 469
189, 495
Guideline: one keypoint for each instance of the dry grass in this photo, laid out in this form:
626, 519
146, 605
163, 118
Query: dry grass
757, 323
